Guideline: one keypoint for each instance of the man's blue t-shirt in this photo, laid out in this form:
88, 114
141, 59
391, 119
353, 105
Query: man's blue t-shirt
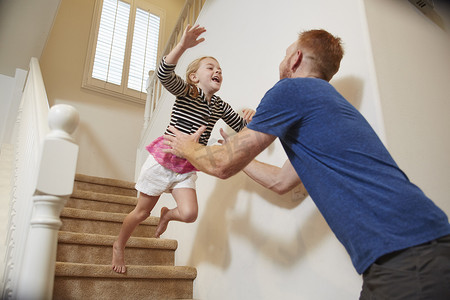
368, 202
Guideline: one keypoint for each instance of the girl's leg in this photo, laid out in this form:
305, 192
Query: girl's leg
141, 212
186, 210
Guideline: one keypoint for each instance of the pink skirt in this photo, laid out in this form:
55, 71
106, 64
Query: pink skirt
168, 160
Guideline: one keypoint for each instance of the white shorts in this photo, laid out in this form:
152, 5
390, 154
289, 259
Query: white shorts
155, 179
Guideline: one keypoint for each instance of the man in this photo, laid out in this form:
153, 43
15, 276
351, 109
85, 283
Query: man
395, 236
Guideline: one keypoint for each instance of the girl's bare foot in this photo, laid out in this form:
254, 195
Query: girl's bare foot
162, 226
118, 261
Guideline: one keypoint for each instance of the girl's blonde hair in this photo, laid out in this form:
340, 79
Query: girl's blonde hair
192, 68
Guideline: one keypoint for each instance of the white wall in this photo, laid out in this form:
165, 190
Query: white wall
10, 96
6, 87
248, 242
24, 27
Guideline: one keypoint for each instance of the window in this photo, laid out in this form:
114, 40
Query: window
123, 48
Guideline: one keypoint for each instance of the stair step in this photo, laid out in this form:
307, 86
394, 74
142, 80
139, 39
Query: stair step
107, 223
101, 202
91, 222
104, 185
87, 281
97, 249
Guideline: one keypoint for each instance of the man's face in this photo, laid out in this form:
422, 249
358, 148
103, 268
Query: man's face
285, 65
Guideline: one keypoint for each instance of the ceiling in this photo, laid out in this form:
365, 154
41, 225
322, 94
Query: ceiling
24, 28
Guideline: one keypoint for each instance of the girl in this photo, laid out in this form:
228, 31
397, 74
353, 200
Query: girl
196, 105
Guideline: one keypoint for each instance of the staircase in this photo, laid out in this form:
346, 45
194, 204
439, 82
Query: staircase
91, 221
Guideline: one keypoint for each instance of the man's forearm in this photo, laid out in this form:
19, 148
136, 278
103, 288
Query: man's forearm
217, 160
262, 173
280, 180
224, 161
220, 161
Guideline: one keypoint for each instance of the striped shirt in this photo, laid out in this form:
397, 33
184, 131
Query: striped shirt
190, 112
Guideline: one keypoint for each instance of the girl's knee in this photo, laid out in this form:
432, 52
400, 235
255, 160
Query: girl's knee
186, 199
140, 214
189, 216
192, 217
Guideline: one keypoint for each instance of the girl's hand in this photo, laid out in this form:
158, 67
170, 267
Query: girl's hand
248, 114
190, 36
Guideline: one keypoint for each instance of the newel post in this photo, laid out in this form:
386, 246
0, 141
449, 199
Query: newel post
54, 186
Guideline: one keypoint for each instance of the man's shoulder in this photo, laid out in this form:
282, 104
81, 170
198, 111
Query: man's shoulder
302, 81
294, 85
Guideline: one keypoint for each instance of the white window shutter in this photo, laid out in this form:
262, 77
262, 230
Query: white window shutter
111, 42
144, 49
123, 48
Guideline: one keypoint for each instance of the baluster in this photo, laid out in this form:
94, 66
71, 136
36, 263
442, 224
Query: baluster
193, 12
149, 99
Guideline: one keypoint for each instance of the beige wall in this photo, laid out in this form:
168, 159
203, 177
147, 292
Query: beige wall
412, 61
109, 127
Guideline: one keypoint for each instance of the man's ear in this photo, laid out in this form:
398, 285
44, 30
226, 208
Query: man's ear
297, 60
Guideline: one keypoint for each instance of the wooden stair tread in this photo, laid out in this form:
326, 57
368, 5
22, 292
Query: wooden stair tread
133, 271
104, 181
108, 240
77, 213
103, 197
104, 185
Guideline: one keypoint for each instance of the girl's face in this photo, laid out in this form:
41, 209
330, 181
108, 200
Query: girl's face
208, 76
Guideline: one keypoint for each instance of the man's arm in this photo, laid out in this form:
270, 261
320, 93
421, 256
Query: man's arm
217, 160
280, 180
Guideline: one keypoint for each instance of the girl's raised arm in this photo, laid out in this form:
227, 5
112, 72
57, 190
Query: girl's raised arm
189, 39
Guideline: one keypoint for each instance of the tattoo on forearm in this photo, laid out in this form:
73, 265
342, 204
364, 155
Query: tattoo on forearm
228, 150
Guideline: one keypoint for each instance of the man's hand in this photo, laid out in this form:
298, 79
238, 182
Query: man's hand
182, 143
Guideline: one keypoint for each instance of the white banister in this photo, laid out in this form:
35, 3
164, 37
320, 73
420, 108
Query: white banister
37, 190
54, 186
30, 129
